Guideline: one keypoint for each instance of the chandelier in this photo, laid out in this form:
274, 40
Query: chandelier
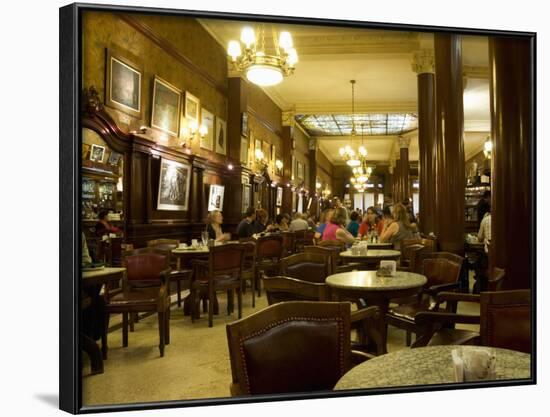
259, 67
347, 153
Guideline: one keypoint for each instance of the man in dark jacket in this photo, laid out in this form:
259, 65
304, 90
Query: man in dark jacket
246, 227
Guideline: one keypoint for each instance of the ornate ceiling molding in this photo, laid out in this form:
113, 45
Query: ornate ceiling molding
360, 107
403, 142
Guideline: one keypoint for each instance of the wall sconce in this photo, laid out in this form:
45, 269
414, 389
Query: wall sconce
488, 147
261, 163
317, 185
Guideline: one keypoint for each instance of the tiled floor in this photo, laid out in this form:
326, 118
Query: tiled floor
195, 365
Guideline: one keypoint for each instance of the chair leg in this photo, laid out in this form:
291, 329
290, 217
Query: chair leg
230, 301
124, 329
167, 326
240, 301
162, 335
408, 342
258, 285
211, 295
104, 336
133, 319
204, 307
178, 289
253, 284
193, 302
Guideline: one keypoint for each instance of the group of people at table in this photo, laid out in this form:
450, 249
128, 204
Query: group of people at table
392, 225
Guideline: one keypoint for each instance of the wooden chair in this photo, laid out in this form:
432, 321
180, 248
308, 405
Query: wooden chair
269, 250
289, 243
410, 245
364, 321
295, 346
338, 265
145, 288
438, 326
249, 267
443, 271
331, 256
306, 266
177, 273
506, 320
304, 238
222, 272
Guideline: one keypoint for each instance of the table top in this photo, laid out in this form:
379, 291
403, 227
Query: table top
425, 366
367, 280
201, 250
373, 254
378, 245
103, 272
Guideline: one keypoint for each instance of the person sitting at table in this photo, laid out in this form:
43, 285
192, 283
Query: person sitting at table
353, 225
335, 230
298, 223
324, 219
246, 227
282, 221
398, 227
371, 222
261, 224
103, 227
214, 227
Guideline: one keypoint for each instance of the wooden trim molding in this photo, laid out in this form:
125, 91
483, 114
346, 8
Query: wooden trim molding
264, 122
170, 49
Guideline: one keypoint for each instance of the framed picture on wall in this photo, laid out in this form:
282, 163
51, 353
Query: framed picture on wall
266, 149
207, 119
300, 170
192, 107
273, 153
165, 109
244, 124
221, 136
257, 145
114, 158
247, 188
123, 84
279, 201
97, 153
244, 150
215, 198
174, 183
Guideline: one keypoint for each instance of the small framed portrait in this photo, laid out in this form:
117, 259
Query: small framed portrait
221, 136
215, 200
266, 149
97, 153
207, 119
123, 84
244, 150
85, 150
165, 113
192, 107
247, 189
174, 183
114, 158
279, 201
244, 124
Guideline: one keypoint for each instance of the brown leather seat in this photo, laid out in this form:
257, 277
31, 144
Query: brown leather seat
144, 289
290, 347
306, 266
269, 250
443, 271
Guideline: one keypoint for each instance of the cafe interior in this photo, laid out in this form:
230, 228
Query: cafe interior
282, 208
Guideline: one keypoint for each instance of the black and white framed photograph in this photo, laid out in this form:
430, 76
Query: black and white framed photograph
279, 201
114, 158
165, 113
207, 120
215, 198
174, 182
221, 136
123, 83
97, 153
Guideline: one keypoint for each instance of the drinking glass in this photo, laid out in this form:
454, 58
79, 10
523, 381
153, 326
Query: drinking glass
204, 237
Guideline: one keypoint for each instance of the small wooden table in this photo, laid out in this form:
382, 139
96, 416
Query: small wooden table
426, 366
92, 281
372, 257
376, 290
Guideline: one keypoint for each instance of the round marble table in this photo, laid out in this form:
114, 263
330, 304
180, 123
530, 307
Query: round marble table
378, 245
426, 366
372, 258
376, 290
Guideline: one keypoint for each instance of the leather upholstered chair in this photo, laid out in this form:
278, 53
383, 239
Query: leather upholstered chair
303, 238
269, 250
408, 246
177, 273
443, 271
296, 346
506, 319
222, 272
289, 243
306, 266
145, 288
336, 247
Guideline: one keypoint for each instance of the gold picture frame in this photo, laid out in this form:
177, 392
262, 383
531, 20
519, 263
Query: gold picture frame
165, 108
123, 84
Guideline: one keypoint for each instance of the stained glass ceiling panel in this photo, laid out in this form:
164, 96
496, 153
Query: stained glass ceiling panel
371, 123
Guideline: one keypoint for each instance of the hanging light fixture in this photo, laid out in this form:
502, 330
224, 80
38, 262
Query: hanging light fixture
259, 67
488, 147
346, 152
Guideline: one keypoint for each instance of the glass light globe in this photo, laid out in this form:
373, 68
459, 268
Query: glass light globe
248, 37
292, 57
264, 75
285, 40
234, 49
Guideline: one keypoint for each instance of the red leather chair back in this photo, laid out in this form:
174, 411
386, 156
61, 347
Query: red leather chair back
269, 247
145, 267
227, 259
506, 319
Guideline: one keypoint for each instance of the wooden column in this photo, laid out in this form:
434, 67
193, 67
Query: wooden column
511, 63
404, 180
313, 149
196, 197
449, 159
423, 65
237, 100
287, 135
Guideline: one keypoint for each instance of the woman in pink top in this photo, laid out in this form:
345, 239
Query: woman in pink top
335, 230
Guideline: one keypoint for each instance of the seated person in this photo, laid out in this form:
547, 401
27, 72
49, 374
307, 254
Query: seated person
246, 227
353, 225
282, 221
298, 223
103, 227
397, 228
484, 234
324, 219
214, 227
261, 224
335, 230
371, 222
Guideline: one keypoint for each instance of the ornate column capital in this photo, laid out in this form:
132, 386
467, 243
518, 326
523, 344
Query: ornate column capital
423, 61
288, 119
403, 142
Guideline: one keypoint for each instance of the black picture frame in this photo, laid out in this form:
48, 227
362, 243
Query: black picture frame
70, 91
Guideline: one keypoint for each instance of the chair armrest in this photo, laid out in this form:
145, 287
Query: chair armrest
437, 317
358, 357
372, 312
456, 296
435, 289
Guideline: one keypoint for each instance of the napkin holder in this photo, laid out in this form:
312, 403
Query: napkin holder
387, 269
474, 365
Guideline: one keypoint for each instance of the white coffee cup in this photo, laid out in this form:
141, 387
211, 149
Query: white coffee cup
194, 243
